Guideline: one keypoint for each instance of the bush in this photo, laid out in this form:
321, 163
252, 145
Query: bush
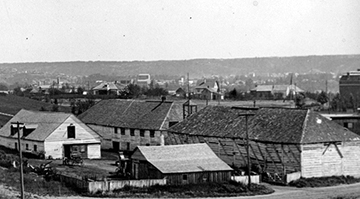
324, 181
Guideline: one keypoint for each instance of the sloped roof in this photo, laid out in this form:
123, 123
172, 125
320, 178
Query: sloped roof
277, 125
277, 88
207, 83
109, 86
132, 114
183, 158
45, 123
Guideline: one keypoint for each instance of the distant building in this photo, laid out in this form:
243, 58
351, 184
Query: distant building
275, 91
349, 85
108, 88
350, 121
208, 89
143, 80
179, 164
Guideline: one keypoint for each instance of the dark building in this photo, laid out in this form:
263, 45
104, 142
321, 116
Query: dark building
349, 86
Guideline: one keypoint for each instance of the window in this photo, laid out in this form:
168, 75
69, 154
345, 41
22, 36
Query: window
152, 133
35, 147
132, 132
13, 130
185, 177
27, 146
16, 146
27, 131
349, 125
128, 146
142, 133
122, 131
115, 130
71, 131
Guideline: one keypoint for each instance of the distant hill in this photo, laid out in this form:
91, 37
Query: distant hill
12, 104
197, 67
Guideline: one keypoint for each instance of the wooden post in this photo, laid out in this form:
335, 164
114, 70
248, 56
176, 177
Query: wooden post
21, 162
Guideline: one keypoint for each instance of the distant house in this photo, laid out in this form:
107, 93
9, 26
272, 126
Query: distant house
180, 92
349, 85
275, 91
282, 141
57, 134
126, 124
143, 80
350, 121
179, 164
108, 88
207, 89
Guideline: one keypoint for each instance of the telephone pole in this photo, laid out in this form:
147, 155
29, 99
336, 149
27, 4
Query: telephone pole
21, 162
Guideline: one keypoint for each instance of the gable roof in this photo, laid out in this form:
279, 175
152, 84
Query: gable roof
109, 86
45, 123
183, 158
208, 83
132, 114
277, 88
276, 125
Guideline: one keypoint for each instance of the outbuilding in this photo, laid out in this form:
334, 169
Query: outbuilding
179, 164
53, 134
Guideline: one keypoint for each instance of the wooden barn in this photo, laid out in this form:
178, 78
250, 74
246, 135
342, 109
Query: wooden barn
179, 164
282, 141
56, 134
126, 124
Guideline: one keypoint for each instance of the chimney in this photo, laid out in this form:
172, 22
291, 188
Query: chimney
163, 98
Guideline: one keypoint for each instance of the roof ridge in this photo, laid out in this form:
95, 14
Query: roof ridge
167, 115
304, 126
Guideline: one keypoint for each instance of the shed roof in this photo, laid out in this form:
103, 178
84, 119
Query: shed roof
277, 125
44, 123
183, 158
132, 114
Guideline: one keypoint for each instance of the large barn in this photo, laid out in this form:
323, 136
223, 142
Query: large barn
53, 133
126, 124
282, 141
179, 164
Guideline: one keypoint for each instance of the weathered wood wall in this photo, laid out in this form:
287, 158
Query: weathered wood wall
199, 177
331, 159
113, 134
275, 159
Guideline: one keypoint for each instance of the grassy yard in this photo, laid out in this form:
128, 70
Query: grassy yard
324, 181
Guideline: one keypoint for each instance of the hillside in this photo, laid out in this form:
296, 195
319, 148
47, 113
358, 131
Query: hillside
196, 67
11, 104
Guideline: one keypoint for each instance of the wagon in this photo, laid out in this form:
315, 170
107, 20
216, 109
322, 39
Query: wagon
74, 159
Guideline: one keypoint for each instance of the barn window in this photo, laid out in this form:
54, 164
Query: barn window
122, 131
71, 131
142, 133
132, 132
152, 133
16, 146
13, 130
349, 125
115, 130
27, 146
35, 147
185, 177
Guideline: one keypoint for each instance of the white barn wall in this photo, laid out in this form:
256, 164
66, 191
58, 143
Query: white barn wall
105, 133
94, 151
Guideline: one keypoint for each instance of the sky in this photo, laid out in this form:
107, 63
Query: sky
127, 30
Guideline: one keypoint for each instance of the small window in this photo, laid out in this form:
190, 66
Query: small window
185, 177
35, 147
172, 123
152, 133
27, 146
13, 130
147, 144
128, 146
16, 146
122, 131
71, 131
350, 125
115, 130
142, 133
132, 132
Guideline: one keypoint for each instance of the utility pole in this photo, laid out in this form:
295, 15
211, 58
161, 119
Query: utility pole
21, 162
246, 115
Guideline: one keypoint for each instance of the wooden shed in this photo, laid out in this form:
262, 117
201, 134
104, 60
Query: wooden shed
179, 164
282, 141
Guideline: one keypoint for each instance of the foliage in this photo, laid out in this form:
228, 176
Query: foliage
300, 100
80, 106
322, 98
324, 181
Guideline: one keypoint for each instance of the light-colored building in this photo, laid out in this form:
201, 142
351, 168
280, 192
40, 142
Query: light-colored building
56, 134
276, 91
126, 124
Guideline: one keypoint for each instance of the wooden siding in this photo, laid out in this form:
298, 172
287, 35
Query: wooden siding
199, 177
109, 136
10, 143
325, 160
275, 159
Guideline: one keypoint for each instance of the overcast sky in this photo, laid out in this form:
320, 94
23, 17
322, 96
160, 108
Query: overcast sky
125, 30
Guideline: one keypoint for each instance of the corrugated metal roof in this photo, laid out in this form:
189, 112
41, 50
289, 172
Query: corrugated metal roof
183, 158
268, 124
132, 114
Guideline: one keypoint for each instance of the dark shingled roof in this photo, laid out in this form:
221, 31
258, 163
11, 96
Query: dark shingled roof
132, 114
268, 125
183, 158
